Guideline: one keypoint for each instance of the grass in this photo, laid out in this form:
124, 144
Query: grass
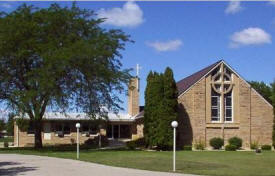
7, 139
205, 162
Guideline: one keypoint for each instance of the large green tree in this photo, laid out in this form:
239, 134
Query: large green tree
168, 110
59, 58
160, 109
152, 109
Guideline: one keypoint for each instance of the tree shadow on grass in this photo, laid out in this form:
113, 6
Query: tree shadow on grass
13, 168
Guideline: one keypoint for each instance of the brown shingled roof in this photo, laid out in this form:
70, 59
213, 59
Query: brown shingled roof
187, 82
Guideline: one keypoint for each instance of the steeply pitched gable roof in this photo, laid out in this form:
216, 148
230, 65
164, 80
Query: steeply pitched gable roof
187, 82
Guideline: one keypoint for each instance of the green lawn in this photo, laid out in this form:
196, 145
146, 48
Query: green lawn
7, 139
204, 162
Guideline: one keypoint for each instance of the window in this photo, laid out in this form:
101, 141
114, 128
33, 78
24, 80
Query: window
90, 129
215, 107
62, 129
228, 107
221, 94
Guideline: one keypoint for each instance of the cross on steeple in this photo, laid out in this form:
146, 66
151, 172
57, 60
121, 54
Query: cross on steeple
138, 69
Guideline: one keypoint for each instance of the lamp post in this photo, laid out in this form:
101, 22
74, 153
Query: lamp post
174, 124
77, 125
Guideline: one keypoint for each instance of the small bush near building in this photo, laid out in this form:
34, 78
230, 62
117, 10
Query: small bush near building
266, 147
254, 145
199, 145
236, 141
131, 145
187, 147
216, 142
230, 147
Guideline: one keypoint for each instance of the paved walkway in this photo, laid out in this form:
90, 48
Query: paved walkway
13, 164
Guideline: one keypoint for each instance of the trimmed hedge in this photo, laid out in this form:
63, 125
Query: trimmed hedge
266, 147
230, 147
216, 142
187, 147
236, 141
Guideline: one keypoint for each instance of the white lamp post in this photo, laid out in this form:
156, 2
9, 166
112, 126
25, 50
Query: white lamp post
77, 125
174, 124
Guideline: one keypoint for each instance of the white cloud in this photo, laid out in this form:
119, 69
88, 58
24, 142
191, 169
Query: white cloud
6, 5
250, 36
130, 15
170, 45
233, 7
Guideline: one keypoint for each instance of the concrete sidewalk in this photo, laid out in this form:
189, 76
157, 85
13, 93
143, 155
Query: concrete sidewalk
14, 164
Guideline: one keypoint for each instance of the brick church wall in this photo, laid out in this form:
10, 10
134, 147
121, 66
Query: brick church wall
252, 119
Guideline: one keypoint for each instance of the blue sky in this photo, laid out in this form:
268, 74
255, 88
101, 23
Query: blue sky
188, 36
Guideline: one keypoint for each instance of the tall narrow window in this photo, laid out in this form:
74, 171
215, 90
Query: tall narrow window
228, 107
215, 107
221, 94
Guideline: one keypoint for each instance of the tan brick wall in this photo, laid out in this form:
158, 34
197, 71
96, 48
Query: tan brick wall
192, 114
261, 120
244, 115
28, 139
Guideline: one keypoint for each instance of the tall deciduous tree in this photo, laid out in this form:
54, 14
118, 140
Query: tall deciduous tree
59, 58
160, 109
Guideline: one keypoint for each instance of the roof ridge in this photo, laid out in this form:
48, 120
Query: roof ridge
188, 81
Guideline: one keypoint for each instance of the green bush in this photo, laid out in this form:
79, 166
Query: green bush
254, 145
236, 141
266, 147
230, 147
216, 142
187, 147
131, 145
140, 142
199, 145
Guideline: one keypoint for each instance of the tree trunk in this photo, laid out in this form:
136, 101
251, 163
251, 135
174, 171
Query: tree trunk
38, 137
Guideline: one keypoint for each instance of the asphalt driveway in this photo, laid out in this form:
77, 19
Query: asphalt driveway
14, 164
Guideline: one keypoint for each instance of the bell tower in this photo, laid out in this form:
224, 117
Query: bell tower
133, 94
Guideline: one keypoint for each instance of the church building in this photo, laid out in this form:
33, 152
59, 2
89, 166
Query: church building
213, 102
